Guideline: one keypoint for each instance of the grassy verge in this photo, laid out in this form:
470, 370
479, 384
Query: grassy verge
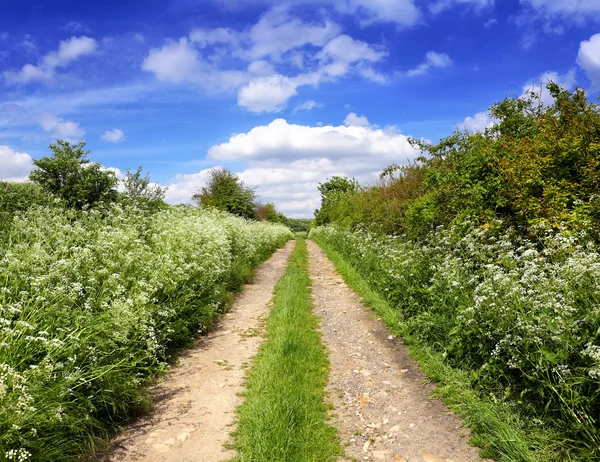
284, 414
496, 429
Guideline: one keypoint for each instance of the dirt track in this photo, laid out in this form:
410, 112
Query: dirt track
195, 405
383, 408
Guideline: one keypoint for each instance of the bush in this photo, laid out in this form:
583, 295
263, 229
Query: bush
524, 321
94, 302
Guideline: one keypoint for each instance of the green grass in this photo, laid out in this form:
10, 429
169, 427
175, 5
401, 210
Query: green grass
495, 429
284, 415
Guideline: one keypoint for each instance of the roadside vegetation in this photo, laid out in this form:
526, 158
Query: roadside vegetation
98, 288
487, 251
284, 415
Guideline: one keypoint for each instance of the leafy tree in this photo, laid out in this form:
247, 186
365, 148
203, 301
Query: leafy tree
139, 189
68, 174
333, 191
268, 212
225, 191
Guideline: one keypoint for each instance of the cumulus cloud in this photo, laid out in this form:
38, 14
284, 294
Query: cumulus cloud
432, 60
477, 123
577, 8
267, 94
588, 59
402, 12
353, 120
113, 136
68, 51
277, 32
308, 106
442, 5
253, 61
538, 85
288, 161
285, 141
180, 62
58, 127
14, 166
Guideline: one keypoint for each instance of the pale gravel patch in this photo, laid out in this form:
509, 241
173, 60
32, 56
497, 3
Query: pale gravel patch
195, 404
383, 404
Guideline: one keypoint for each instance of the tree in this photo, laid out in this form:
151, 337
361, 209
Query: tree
268, 212
225, 191
139, 189
333, 191
68, 174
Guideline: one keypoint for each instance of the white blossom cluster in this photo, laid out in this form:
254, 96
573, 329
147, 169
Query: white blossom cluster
524, 315
92, 302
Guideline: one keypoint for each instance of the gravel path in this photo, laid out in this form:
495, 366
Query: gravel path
383, 409
195, 405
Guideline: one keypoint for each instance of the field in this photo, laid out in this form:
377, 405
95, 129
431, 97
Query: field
93, 304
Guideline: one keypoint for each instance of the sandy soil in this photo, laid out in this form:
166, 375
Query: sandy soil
384, 409
194, 406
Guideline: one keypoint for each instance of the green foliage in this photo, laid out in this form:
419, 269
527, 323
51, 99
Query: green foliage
299, 224
283, 417
225, 191
68, 174
537, 165
18, 197
268, 212
139, 190
94, 302
520, 320
333, 192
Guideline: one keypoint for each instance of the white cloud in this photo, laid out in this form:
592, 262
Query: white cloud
402, 12
353, 120
538, 85
206, 37
308, 106
443, 5
267, 94
588, 59
175, 62
14, 166
432, 60
277, 33
68, 51
286, 141
183, 187
60, 128
250, 61
490, 22
113, 136
287, 161
565, 8
344, 49
179, 62
477, 123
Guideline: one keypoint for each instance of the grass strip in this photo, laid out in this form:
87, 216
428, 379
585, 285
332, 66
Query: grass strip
495, 429
284, 415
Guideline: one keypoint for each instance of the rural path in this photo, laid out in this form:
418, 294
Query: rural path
194, 406
382, 408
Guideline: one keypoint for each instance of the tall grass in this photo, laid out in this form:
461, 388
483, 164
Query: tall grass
519, 319
93, 303
283, 417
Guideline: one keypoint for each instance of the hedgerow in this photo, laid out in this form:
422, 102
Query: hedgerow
93, 303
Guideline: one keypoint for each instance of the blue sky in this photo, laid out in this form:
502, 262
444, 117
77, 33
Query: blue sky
284, 93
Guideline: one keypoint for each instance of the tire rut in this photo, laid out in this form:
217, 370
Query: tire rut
383, 407
195, 404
